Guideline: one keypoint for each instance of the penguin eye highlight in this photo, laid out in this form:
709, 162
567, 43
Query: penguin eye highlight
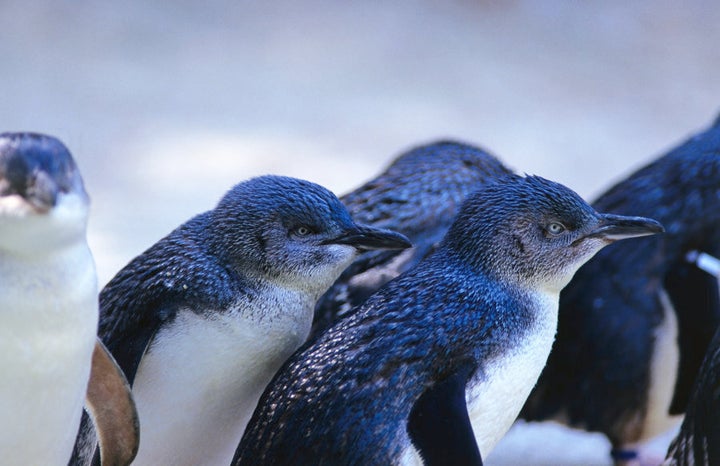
555, 228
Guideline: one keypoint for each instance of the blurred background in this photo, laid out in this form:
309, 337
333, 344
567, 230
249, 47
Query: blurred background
166, 105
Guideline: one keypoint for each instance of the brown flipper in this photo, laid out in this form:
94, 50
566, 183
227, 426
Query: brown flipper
112, 409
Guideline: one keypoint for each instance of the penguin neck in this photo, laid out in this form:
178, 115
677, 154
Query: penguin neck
52, 259
539, 297
312, 278
310, 290
28, 238
499, 271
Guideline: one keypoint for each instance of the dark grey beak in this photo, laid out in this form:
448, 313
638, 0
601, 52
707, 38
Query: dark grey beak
366, 238
616, 227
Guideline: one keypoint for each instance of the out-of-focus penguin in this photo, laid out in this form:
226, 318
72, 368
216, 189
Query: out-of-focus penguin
49, 312
635, 322
698, 443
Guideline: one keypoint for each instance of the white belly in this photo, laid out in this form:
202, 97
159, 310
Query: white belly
48, 323
200, 381
663, 374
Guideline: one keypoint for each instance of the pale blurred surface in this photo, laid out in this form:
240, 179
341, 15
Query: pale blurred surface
166, 105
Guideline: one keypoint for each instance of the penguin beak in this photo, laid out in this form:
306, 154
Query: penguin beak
366, 238
616, 227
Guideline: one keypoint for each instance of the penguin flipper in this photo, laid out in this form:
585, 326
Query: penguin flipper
129, 347
110, 419
439, 423
112, 409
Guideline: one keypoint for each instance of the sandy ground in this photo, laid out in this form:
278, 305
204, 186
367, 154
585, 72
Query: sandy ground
167, 105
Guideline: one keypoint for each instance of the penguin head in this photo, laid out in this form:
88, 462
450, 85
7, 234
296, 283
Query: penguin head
43, 202
536, 232
424, 187
292, 231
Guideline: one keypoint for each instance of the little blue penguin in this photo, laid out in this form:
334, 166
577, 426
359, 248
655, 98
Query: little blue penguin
49, 311
698, 442
635, 322
435, 366
418, 195
201, 321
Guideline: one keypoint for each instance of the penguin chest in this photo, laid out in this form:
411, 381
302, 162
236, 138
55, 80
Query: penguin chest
48, 323
496, 395
202, 375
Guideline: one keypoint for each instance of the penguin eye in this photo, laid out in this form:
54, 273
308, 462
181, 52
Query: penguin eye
555, 228
302, 230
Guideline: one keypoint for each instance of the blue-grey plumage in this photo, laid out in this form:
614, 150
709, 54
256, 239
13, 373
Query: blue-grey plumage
445, 353
201, 320
635, 321
698, 443
418, 195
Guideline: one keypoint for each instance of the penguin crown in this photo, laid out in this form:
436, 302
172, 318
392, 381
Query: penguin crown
445, 156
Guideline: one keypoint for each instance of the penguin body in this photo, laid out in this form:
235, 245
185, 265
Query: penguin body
201, 320
48, 299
